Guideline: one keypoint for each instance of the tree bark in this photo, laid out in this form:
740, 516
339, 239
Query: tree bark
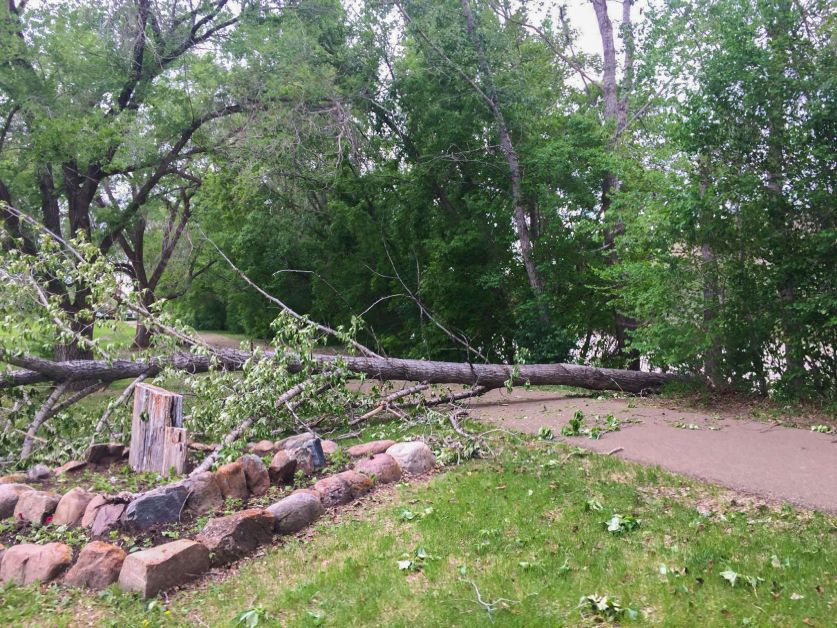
432, 372
512, 160
616, 111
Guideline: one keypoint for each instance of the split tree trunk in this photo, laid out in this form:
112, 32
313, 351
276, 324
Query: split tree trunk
158, 440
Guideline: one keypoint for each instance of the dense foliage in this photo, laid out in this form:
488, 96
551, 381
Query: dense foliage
404, 161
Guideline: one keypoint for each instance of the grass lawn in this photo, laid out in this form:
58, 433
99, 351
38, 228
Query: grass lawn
525, 532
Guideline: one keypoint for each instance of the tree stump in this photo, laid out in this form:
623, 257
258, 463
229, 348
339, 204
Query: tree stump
158, 440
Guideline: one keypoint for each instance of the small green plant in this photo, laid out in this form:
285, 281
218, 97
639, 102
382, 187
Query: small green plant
231, 505
822, 429
49, 533
733, 577
545, 433
604, 607
575, 425
254, 617
619, 524
415, 562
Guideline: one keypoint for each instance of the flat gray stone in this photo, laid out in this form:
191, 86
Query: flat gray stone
159, 505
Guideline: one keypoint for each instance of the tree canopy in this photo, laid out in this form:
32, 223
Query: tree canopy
459, 174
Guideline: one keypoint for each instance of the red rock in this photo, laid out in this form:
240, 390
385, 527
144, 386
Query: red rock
307, 491
358, 483
13, 478
329, 447
232, 537
153, 570
28, 563
98, 566
9, 496
204, 494
255, 474
73, 466
107, 517
333, 491
36, 506
369, 449
262, 448
382, 468
282, 468
71, 508
232, 481
413, 457
92, 510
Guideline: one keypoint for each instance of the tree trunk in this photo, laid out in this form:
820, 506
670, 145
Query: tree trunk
615, 111
432, 372
512, 160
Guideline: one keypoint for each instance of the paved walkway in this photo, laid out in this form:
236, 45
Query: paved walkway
778, 463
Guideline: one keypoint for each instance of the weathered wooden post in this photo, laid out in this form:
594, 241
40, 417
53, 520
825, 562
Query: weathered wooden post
158, 440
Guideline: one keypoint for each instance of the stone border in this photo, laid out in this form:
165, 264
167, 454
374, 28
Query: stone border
221, 541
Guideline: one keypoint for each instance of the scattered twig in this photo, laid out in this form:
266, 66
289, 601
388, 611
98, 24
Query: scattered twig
615, 451
385, 404
490, 606
241, 428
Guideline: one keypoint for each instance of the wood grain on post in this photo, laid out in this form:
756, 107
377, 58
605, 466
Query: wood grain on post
174, 450
155, 411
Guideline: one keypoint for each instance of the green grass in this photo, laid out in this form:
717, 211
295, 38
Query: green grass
519, 528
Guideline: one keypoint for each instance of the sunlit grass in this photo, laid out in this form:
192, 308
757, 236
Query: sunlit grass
526, 531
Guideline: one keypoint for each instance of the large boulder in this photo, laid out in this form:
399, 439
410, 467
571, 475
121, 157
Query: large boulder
28, 563
255, 474
107, 518
359, 484
92, 509
103, 513
234, 536
153, 570
160, 505
103, 454
333, 491
71, 508
414, 457
98, 566
296, 511
262, 448
232, 481
293, 442
9, 496
282, 468
369, 449
13, 478
73, 466
204, 494
36, 506
39, 472
382, 468
309, 457
330, 447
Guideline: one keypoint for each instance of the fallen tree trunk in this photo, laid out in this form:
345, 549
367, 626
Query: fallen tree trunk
432, 372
